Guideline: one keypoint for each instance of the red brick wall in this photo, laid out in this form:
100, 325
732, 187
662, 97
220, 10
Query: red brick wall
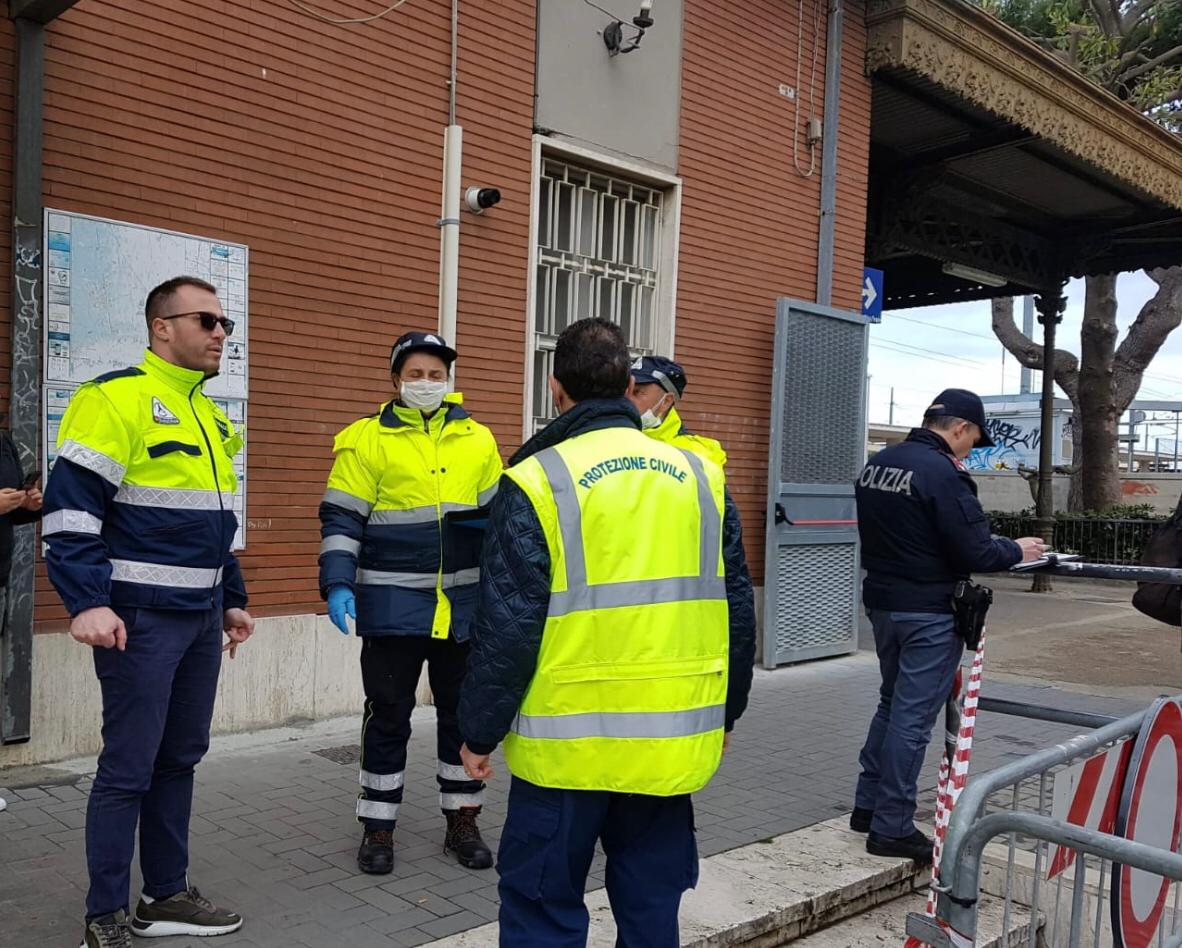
749, 226
321, 148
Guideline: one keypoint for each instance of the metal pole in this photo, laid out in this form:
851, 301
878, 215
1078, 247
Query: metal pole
891, 411
1028, 332
24, 409
1050, 312
1037, 712
1175, 467
827, 230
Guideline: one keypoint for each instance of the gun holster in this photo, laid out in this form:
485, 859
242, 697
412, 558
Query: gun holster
970, 605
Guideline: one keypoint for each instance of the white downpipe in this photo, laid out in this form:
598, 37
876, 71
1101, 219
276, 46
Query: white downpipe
449, 232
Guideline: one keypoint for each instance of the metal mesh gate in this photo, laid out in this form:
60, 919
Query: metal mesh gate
817, 447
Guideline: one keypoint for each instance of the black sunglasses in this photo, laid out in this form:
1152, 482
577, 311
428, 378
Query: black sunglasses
208, 321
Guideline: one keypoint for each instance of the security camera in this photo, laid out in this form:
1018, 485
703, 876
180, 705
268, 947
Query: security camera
480, 200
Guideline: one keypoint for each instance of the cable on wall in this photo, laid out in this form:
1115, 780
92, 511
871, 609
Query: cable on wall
346, 21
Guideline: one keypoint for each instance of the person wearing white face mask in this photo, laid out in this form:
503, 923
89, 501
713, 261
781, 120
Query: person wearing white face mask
391, 559
657, 386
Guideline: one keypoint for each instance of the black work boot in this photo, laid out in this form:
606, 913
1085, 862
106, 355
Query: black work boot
463, 839
376, 855
916, 846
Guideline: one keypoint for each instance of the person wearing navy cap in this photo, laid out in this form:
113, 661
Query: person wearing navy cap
657, 386
922, 531
391, 559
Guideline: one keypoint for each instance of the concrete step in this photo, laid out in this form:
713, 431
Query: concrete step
884, 925
766, 894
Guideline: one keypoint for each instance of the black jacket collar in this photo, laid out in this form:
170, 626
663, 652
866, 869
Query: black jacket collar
591, 415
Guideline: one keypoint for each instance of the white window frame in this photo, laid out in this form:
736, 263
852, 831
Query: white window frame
665, 307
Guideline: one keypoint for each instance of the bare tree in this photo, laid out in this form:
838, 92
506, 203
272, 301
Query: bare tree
1104, 380
1134, 50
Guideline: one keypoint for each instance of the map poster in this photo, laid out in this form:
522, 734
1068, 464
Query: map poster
97, 274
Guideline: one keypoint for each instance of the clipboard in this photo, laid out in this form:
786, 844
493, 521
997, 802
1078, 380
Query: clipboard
1049, 558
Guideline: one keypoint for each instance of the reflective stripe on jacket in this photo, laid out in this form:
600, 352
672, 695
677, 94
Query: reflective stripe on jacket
629, 693
395, 477
139, 506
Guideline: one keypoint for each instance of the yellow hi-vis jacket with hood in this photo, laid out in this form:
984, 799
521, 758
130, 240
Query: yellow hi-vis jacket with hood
630, 686
139, 508
395, 477
672, 431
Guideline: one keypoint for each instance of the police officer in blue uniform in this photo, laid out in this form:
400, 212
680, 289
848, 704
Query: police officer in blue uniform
922, 530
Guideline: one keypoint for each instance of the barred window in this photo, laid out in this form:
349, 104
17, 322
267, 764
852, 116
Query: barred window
599, 248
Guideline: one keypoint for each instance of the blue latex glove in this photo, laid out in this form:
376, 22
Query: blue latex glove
341, 603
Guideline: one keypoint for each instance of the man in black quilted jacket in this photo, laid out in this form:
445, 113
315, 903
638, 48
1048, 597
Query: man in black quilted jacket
550, 837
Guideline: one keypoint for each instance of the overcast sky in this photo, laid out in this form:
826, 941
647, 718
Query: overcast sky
921, 351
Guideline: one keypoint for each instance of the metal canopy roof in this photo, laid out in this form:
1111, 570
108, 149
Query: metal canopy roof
988, 153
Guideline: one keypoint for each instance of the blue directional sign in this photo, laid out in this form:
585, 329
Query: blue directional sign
872, 294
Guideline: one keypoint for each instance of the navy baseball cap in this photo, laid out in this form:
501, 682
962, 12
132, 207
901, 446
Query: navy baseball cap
665, 372
410, 342
961, 403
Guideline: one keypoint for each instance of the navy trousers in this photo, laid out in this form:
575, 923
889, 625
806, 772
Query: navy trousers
157, 705
390, 668
918, 653
545, 854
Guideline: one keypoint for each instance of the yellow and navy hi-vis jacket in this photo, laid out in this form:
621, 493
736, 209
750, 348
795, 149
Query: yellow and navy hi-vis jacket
395, 477
139, 508
672, 431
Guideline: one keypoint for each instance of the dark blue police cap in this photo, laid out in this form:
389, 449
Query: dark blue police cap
665, 372
961, 403
410, 342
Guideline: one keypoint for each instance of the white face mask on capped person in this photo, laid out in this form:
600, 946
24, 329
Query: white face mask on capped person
649, 419
423, 394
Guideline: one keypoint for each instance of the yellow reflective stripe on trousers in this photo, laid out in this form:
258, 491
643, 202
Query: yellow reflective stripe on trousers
624, 724
580, 596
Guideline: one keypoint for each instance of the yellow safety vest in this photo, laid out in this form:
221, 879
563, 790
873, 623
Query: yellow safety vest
672, 431
629, 694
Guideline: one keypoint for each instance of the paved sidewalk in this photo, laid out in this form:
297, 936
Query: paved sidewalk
274, 835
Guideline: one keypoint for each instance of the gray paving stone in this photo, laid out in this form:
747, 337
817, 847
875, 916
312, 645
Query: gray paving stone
277, 840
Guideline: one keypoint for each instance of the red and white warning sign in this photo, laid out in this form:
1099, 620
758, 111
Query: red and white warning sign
1088, 794
1150, 812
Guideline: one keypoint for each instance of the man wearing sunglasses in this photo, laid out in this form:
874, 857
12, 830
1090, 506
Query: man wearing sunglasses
138, 522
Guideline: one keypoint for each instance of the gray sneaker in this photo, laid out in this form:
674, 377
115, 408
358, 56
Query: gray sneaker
107, 931
186, 913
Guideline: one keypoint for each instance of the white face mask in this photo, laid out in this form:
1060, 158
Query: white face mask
424, 394
649, 419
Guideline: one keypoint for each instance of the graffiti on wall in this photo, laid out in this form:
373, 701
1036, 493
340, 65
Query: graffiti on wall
1015, 443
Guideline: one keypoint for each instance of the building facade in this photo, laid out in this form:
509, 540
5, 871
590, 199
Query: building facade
675, 189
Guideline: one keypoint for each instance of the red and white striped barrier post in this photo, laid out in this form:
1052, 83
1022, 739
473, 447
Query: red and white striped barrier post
954, 775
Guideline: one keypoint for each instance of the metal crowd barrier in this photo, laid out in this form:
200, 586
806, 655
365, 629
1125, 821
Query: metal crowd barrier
1014, 803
